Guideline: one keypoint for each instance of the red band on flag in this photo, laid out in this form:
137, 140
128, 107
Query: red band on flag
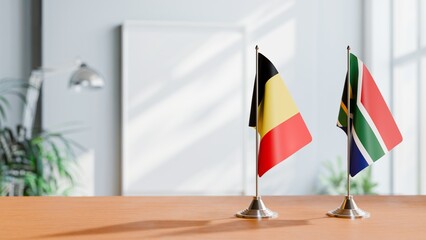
281, 142
373, 102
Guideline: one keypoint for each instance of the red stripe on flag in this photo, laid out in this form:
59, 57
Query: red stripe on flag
379, 112
281, 142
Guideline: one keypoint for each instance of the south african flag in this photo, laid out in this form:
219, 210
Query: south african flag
373, 129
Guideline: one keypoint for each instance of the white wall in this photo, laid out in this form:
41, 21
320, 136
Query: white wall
395, 46
306, 40
15, 47
377, 46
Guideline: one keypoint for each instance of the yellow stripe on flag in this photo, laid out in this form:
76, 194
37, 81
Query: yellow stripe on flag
277, 105
343, 106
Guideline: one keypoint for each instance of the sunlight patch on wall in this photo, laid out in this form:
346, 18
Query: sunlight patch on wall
181, 136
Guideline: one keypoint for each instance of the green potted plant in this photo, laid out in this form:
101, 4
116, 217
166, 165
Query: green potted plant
333, 180
32, 165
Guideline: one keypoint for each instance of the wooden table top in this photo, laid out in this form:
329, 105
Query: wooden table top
300, 217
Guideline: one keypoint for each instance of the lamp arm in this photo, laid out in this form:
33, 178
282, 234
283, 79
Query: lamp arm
83, 76
31, 99
45, 71
33, 93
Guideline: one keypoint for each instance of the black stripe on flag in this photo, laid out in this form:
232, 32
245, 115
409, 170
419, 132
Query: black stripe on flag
266, 71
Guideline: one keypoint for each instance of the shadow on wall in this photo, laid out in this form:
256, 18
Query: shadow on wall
187, 100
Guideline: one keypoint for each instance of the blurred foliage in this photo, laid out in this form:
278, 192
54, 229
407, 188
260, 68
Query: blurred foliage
35, 166
32, 166
334, 177
10, 88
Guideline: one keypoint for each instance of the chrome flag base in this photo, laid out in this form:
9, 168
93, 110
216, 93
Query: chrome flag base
257, 209
348, 209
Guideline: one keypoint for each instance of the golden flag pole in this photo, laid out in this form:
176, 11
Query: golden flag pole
348, 209
257, 208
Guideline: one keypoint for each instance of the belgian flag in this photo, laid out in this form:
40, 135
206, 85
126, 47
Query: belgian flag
281, 127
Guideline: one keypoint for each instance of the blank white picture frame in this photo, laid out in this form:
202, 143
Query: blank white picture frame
183, 117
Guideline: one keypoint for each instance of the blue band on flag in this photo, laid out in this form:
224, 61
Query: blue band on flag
358, 162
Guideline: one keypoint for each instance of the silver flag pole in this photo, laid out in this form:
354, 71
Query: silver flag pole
257, 208
348, 209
